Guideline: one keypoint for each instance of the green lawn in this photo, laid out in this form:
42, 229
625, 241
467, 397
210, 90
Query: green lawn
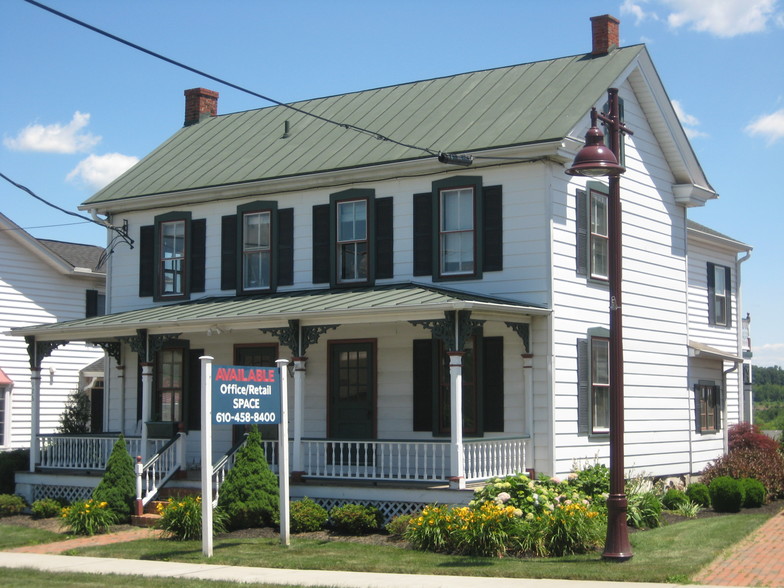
14, 536
670, 554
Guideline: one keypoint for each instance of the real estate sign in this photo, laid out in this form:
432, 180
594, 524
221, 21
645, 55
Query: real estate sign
244, 395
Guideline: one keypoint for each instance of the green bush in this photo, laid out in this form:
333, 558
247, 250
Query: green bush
568, 529
10, 463
118, 484
75, 419
398, 525
726, 494
698, 493
181, 518
46, 508
88, 517
765, 465
249, 495
643, 510
688, 509
674, 498
593, 480
753, 493
355, 519
307, 516
11, 504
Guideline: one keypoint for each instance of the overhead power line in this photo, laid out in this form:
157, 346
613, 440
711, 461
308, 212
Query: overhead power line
346, 126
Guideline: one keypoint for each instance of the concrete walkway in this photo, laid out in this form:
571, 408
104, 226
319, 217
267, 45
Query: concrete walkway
756, 561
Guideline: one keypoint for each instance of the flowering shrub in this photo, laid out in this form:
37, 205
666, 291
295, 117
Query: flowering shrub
764, 465
181, 518
568, 529
88, 517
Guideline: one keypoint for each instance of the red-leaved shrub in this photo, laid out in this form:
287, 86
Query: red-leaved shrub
748, 436
765, 465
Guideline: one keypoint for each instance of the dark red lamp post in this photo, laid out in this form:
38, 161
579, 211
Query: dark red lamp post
596, 160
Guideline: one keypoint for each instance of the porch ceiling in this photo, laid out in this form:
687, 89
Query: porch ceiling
378, 304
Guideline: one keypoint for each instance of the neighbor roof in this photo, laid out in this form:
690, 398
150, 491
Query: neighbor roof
75, 254
509, 106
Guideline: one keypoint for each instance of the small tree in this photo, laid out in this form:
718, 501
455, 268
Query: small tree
118, 485
76, 415
249, 494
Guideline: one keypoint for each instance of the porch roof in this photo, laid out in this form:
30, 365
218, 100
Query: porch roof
376, 304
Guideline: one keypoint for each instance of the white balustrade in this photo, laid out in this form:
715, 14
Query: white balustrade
488, 458
85, 452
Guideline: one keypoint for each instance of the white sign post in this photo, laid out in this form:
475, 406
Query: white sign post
206, 455
283, 451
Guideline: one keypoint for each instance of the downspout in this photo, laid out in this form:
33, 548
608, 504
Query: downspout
739, 327
689, 392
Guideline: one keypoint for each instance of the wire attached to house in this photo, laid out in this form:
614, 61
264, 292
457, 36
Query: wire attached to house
346, 126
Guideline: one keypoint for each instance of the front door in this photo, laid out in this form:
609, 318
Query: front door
352, 393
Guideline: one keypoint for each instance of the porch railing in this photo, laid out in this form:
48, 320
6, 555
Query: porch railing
151, 476
487, 458
85, 452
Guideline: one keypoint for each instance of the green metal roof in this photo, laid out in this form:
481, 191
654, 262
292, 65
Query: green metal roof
379, 304
516, 105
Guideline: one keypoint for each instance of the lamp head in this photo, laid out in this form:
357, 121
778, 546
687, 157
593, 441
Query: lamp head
595, 159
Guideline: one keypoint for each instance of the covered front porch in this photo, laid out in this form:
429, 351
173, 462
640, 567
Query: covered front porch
322, 451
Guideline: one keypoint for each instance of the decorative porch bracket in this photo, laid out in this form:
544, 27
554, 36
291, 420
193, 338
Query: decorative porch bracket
297, 338
453, 329
40, 350
523, 331
146, 346
112, 349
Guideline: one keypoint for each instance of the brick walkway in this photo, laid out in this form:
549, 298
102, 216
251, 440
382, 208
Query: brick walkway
101, 539
758, 560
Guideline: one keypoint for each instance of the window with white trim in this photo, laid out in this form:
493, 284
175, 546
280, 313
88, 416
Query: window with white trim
719, 289
456, 231
709, 407
172, 258
593, 383
256, 250
600, 236
352, 241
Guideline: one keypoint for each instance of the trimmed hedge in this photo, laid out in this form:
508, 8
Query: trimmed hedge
726, 494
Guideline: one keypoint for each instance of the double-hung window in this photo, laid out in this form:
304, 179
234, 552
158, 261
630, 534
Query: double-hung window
256, 250
709, 403
719, 289
600, 237
352, 241
169, 391
456, 231
171, 261
593, 383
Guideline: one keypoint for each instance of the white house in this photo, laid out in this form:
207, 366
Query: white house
411, 294
42, 281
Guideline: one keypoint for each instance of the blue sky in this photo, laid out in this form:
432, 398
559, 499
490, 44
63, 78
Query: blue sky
77, 108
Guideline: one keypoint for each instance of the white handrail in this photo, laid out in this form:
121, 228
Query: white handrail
84, 452
151, 476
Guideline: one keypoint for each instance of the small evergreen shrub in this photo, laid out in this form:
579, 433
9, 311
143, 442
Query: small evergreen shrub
249, 495
75, 419
118, 486
698, 493
88, 517
355, 519
764, 465
673, 498
726, 494
753, 493
307, 516
11, 504
46, 508
644, 510
10, 463
181, 518
398, 525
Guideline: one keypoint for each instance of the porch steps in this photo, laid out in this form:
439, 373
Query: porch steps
150, 517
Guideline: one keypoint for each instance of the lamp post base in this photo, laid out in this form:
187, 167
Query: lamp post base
617, 546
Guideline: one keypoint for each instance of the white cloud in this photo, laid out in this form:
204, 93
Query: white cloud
768, 355
769, 125
98, 170
635, 8
723, 18
688, 121
55, 138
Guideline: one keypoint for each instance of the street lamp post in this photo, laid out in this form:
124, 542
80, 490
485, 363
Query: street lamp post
595, 160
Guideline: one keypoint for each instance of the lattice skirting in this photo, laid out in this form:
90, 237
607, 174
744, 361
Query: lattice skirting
68, 493
389, 509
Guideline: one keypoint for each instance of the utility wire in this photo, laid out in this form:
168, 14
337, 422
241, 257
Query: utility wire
350, 127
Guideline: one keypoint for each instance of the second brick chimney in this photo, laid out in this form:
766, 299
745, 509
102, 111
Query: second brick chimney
200, 103
606, 34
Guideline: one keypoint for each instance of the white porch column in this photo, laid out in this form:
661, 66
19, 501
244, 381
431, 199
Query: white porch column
457, 473
35, 414
528, 395
299, 394
146, 405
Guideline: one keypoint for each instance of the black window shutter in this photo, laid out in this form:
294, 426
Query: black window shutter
147, 267
423, 384
198, 254
493, 383
286, 247
582, 233
193, 390
385, 238
321, 244
728, 290
493, 230
91, 303
697, 409
423, 234
583, 388
229, 252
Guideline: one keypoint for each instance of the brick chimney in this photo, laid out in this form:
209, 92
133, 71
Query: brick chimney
605, 34
200, 103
